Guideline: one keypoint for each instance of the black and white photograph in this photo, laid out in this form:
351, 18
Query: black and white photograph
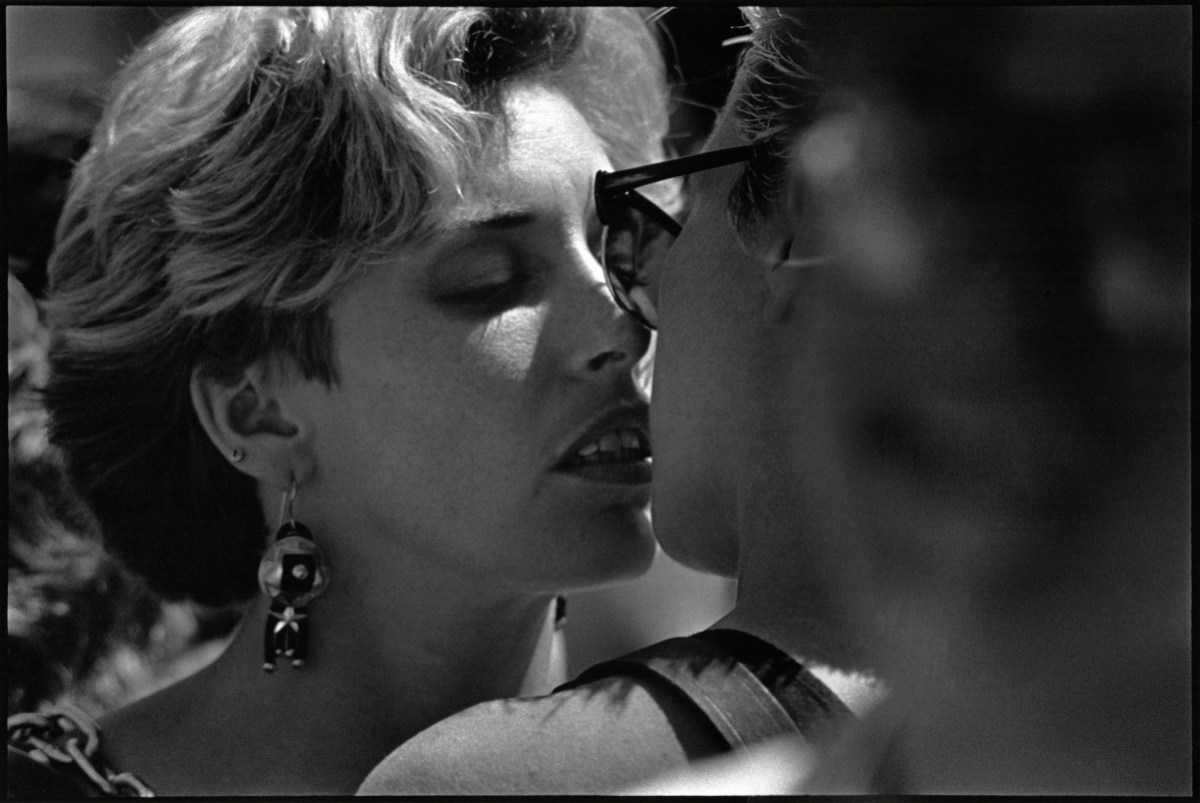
701, 400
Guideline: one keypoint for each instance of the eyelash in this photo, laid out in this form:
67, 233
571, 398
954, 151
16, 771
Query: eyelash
490, 299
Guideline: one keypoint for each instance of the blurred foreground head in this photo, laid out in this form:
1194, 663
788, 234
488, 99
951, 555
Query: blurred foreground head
967, 250
991, 315
993, 211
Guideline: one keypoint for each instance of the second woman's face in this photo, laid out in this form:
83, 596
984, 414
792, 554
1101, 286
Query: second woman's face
487, 420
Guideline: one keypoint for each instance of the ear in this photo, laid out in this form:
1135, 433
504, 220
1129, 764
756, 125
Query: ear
251, 418
788, 280
795, 255
791, 270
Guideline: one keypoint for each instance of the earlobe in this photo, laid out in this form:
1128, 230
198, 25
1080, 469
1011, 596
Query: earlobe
795, 258
786, 279
246, 424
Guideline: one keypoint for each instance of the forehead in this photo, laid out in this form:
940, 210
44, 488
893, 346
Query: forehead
549, 150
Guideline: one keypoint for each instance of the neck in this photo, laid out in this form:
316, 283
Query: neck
785, 596
789, 575
390, 653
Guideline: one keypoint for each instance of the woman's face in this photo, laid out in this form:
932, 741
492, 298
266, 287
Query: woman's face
475, 370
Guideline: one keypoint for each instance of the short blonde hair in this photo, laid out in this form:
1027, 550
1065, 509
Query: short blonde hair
774, 96
249, 163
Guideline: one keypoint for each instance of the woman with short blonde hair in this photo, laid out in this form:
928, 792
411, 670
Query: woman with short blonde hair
331, 342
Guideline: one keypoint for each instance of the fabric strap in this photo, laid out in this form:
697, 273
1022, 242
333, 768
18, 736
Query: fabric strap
746, 687
811, 705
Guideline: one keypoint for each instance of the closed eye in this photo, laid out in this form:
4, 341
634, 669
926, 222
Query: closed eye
489, 299
482, 280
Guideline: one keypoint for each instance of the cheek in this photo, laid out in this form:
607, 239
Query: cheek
707, 304
694, 284
434, 389
504, 348
480, 403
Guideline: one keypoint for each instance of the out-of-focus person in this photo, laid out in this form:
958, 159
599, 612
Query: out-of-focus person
993, 383
989, 295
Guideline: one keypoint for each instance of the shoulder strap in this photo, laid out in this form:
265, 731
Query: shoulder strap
725, 689
813, 706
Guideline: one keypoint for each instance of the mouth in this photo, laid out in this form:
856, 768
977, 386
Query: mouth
615, 449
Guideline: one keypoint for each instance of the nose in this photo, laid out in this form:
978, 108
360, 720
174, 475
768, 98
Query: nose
601, 339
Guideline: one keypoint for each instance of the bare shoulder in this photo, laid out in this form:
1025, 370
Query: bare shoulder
592, 739
150, 738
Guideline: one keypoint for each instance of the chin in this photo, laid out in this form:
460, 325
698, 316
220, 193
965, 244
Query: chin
623, 550
712, 555
722, 564
695, 535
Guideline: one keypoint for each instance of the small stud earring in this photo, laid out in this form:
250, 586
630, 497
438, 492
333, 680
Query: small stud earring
237, 455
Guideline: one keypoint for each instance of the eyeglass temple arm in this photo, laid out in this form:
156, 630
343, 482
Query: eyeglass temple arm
620, 181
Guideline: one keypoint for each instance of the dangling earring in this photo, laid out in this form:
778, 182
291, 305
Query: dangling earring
292, 573
560, 612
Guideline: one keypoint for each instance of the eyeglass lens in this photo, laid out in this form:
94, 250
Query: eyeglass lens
633, 246
638, 233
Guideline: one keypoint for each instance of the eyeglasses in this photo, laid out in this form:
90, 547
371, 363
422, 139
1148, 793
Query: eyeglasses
636, 230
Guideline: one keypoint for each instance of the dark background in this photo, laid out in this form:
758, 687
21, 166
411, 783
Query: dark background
702, 67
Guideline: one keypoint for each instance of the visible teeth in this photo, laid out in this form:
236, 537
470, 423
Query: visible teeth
624, 444
610, 442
